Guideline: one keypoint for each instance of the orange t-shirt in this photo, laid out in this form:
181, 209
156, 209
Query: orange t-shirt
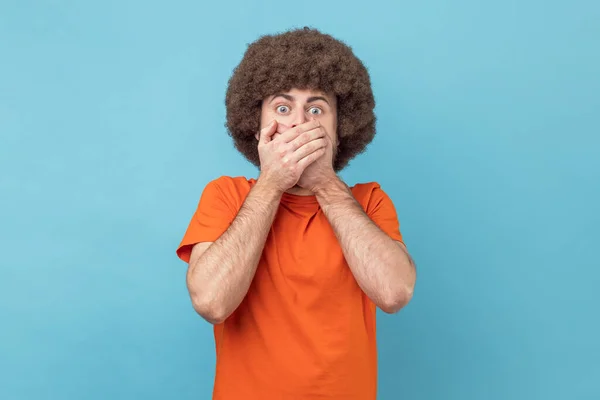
305, 330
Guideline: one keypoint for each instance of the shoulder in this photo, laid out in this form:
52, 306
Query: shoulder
370, 195
232, 183
233, 188
366, 190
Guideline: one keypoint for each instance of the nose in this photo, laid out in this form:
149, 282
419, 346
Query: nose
299, 117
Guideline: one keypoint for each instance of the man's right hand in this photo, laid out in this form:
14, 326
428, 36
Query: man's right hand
284, 157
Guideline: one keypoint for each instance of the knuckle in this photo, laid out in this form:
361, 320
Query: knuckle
305, 138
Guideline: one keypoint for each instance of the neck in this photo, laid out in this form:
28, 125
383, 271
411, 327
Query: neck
298, 191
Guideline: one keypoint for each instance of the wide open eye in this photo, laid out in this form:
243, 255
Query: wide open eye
315, 111
283, 109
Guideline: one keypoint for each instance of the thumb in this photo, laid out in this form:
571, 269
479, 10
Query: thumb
266, 133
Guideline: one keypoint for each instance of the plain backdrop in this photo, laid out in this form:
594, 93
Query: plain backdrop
112, 121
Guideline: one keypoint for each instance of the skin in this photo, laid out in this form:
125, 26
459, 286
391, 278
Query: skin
298, 107
297, 146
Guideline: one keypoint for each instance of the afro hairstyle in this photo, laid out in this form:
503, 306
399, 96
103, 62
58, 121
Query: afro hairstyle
301, 59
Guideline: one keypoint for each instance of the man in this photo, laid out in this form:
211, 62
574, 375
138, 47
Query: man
290, 267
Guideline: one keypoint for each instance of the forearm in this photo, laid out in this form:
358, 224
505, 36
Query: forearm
221, 276
381, 267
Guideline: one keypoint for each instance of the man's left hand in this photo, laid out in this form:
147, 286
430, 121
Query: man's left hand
319, 173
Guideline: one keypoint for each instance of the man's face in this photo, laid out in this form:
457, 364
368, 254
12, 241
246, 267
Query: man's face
297, 106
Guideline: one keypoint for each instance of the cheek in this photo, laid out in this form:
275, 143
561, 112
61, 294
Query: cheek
281, 127
330, 128
267, 116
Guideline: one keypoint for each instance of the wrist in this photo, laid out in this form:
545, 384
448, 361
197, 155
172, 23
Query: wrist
267, 190
333, 190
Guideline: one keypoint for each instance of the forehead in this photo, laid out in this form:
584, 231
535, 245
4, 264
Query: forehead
303, 94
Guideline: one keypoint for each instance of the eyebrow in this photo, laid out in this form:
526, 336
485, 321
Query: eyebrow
291, 98
315, 98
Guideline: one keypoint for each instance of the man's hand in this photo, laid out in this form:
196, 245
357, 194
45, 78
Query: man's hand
284, 157
319, 173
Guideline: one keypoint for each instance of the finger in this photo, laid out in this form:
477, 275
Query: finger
266, 134
307, 137
296, 131
308, 149
311, 158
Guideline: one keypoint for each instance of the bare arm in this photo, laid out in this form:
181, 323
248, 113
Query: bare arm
220, 273
381, 266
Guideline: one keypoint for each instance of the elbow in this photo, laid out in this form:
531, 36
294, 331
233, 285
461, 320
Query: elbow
211, 311
396, 300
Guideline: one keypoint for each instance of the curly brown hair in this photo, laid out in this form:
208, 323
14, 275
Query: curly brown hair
301, 59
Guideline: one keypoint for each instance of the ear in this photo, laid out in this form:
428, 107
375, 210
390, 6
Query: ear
257, 136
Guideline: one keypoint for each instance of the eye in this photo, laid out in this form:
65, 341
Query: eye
283, 109
315, 111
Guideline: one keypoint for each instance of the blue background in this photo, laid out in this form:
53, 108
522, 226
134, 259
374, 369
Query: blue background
112, 121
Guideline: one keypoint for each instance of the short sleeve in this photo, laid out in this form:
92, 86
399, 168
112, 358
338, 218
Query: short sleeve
380, 208
216, 211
